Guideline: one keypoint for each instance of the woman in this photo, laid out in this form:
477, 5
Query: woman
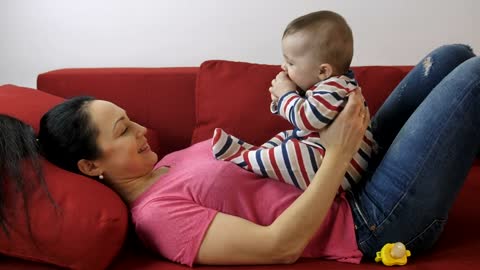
194, 209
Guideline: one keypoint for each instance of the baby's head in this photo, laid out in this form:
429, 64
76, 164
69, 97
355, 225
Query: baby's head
315, 47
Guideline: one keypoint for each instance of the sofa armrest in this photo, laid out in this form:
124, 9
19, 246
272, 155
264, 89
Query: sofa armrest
150, 96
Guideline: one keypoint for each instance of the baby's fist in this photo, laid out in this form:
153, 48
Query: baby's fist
282, 84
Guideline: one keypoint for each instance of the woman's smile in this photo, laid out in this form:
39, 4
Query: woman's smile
144, 149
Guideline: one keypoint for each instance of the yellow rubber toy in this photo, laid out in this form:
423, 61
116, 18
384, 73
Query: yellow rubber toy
393, 254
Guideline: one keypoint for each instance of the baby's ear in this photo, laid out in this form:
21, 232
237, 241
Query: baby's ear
325, 71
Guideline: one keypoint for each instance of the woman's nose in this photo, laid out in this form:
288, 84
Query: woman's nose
141, 130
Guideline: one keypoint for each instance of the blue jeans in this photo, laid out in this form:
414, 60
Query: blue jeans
428, 132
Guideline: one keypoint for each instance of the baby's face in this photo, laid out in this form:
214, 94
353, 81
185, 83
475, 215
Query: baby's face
300, 61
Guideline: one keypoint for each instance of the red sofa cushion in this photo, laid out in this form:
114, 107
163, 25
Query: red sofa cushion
239, 91
87, 228
234, 96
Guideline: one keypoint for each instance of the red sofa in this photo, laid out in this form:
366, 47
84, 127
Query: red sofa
181, 106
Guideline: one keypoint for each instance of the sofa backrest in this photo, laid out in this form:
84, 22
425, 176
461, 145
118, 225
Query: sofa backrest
154, 97
165, 100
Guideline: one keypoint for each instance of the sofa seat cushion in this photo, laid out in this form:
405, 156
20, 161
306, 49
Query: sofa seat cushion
82, 226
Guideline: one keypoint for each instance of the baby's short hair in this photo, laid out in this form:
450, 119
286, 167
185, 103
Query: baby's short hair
332, 33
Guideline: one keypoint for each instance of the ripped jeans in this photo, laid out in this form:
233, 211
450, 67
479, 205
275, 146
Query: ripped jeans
428, 132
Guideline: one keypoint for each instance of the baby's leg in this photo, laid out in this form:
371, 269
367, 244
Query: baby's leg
292, 162
227, 147
277, 139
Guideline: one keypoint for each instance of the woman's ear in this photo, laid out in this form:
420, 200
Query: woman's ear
325, 71
88, 167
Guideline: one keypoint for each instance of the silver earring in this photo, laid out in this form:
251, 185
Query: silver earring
100, 177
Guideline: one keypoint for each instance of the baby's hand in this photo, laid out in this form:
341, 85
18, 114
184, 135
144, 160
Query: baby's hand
281, 84
274, 98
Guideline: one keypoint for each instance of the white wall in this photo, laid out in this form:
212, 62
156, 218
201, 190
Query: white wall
40, 35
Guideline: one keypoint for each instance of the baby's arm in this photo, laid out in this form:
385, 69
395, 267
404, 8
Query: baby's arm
318, 108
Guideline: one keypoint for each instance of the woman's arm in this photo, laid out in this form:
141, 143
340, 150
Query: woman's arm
233, 240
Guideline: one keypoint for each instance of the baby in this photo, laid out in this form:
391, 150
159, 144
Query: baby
317, 50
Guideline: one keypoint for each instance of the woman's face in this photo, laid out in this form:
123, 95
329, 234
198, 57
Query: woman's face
122, 142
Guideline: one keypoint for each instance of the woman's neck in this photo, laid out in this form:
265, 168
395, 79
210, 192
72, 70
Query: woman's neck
132, 188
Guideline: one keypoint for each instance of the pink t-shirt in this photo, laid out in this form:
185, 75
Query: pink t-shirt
173, 215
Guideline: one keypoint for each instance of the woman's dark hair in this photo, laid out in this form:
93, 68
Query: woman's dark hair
67, 134
18, 153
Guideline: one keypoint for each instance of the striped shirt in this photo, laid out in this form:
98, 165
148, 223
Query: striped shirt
317, 109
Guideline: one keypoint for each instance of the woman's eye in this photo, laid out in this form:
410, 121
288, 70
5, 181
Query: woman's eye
124, 131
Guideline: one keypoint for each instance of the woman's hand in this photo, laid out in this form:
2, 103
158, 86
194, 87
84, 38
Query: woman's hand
344, 136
